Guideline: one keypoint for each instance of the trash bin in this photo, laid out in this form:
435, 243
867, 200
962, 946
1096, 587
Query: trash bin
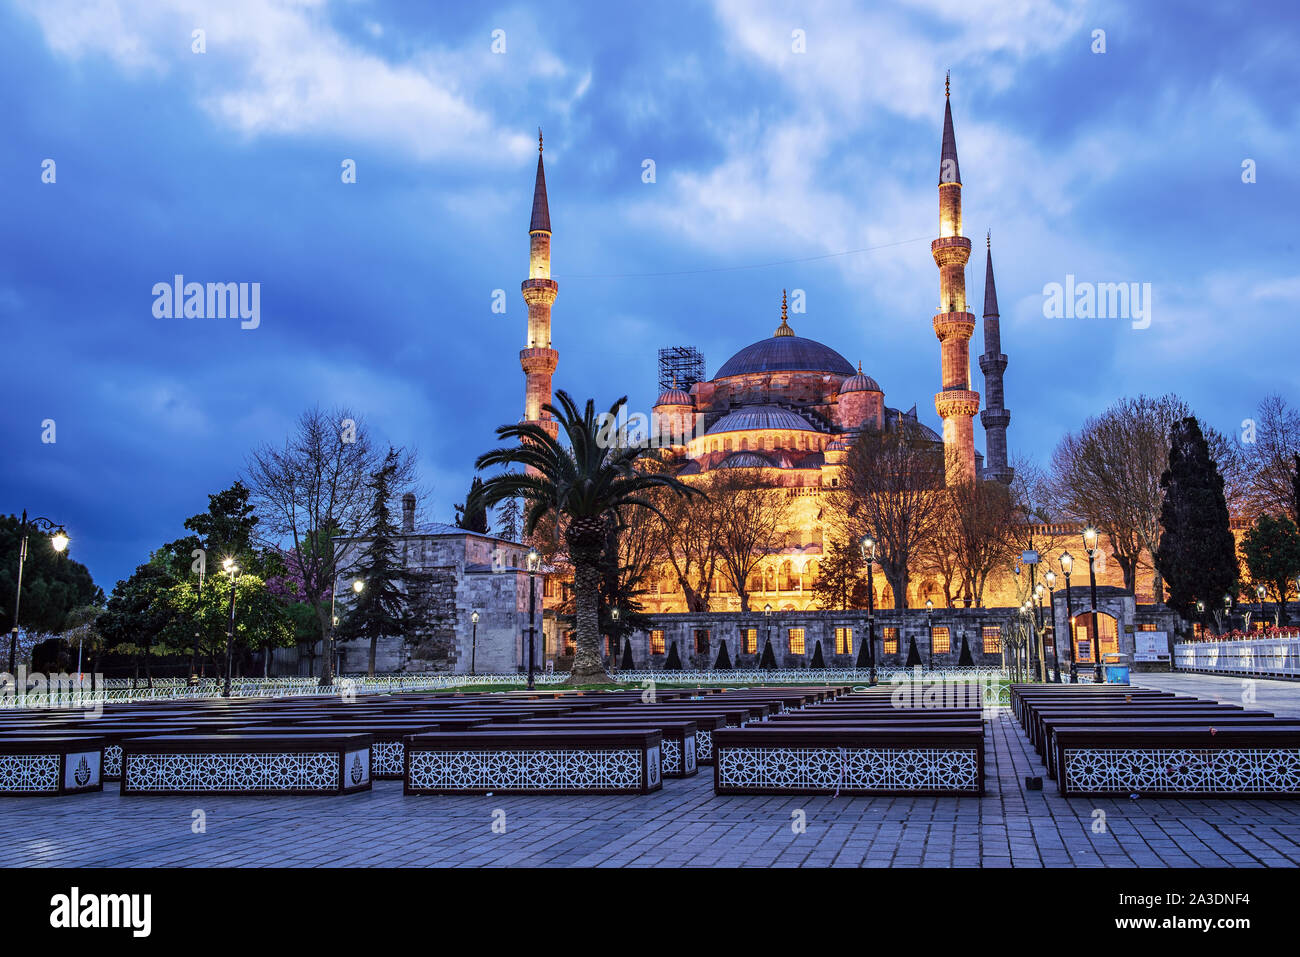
1116, 669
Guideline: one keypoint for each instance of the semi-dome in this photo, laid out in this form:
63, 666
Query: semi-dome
785, 353
674, 397
745, 460
760, 417
859, 383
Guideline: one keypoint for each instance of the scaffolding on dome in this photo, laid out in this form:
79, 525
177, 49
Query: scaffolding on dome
680, 367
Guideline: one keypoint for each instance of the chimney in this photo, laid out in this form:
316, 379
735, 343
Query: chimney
408, 512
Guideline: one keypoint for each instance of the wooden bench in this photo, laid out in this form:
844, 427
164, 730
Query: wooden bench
50, 765
291, 763
835, 758
678, 754
1260, 761
534, 762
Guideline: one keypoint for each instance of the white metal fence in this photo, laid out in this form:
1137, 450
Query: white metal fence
1264, 657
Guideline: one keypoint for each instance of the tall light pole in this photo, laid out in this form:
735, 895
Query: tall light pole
1262, 592
534, 560
473, 645
767, 631
869, 556
929, 627
1039, 591
1050, 578
613, 644
58, 541
194, 658
1090, 543
1067, 563
230, 568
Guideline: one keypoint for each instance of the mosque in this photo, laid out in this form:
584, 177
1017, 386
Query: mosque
789, 407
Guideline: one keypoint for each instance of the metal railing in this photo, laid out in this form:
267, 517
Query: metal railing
1262, 657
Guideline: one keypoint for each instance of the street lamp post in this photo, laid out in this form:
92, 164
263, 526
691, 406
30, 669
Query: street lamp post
1090, 543
533, 561
473, 645
929, 627
613, 644
1050, 578
231, 569
194, 658
1262, 592
58, 541
1039, 591
767, 630
1067, 563
869, 556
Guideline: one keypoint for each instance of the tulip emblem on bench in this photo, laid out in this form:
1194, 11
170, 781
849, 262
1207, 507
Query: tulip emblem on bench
82, 774
356, 769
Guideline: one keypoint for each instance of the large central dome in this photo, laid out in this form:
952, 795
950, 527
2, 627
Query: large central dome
786, 353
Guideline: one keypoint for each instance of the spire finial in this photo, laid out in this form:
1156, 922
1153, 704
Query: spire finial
784, 328
988, 239
539, 139
947, 84
783, 313
859, 367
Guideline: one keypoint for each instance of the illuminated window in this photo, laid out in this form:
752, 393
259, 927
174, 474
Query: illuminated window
1107, 639
1082, 643
656, 642
1147, 626
751, 640
939, 640
891, 641
992, 640
701, 641
844, 641
795, 636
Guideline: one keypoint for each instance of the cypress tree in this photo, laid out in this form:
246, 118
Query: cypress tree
724, 659
471, 514
817, 660
965, 660
1197, 556
913, 654
628, 664
674, 662
768, 661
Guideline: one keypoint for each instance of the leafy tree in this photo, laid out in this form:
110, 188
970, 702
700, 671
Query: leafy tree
262, 621
1272, 550
53, 584
591, 483
471, 515
383, 606
840, 576
1197, 556
139, 611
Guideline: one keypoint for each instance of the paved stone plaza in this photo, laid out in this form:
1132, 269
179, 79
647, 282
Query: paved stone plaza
682, 825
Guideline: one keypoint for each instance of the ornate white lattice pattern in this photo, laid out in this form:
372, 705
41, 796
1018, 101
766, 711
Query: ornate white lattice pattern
672, 757
27, 773
855, 769
1227, 770
306, 771
112, 761
704, 745
566, 769
387, 759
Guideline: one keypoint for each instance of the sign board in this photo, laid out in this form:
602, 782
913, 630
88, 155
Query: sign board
1029, 558
1151, 646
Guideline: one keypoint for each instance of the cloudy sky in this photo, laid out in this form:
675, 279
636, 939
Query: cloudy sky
810, 169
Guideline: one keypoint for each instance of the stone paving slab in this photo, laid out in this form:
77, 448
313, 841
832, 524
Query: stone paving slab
682, 825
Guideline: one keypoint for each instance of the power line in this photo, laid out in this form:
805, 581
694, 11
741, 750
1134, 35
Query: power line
780, 262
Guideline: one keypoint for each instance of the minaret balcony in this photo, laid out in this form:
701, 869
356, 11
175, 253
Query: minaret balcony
537, 361
950, 251
956, 402
993, 364
539, 291
950, 325
995, 419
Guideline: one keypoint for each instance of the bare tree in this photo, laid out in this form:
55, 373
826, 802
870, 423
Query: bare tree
891, 489
311, 493
1268, 450
982, 518
689, 542
752, 520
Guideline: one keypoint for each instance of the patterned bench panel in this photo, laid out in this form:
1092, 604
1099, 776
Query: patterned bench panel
534, 762
50, 765
678, 753
763, 760
246, 764
1258, 761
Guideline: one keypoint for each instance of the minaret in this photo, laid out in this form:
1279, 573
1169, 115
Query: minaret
953, 325
993, 363
539, 289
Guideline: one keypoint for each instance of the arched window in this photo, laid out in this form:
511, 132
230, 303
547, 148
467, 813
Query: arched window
744, 445
786, 580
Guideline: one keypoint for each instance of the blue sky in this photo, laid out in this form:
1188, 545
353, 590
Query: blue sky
225, 166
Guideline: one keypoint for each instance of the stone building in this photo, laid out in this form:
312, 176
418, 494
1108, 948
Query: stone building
467, 572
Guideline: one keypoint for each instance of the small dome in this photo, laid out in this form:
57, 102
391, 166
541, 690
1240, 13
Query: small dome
691, 468
760, 417
745, 460
836, 446
674, 397
859, 383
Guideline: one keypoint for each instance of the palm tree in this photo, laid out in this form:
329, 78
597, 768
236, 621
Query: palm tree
589, 484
